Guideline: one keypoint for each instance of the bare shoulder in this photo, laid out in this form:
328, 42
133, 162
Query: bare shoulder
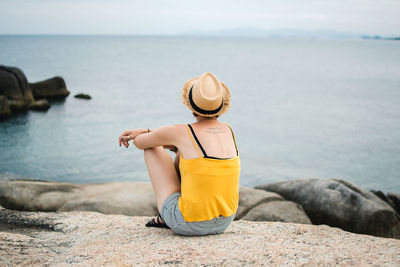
180, 127
172, 128
170, 131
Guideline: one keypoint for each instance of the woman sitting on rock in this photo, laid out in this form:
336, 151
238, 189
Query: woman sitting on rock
198, 193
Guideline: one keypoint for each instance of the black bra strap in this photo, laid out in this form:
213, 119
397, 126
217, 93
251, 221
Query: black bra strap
234, 139
197, 140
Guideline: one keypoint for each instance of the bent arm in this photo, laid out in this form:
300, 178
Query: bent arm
161, 137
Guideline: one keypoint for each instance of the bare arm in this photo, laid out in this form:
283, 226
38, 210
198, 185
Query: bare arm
164, 136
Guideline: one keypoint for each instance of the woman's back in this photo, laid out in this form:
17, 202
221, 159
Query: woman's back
213, 138
210, 180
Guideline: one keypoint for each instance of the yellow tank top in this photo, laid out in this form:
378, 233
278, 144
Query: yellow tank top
209, 186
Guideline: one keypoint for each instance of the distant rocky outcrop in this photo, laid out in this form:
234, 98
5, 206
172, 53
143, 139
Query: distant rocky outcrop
83, 96
17, 95
52, 88
340, 204
94, 239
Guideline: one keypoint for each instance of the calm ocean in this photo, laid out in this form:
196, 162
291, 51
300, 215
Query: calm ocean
301, 108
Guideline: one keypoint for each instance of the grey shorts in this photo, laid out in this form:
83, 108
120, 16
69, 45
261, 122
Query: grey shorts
172, 216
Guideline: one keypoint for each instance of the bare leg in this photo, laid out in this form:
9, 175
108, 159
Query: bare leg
163, 176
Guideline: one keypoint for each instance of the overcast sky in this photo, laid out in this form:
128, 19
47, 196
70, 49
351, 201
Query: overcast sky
174, 16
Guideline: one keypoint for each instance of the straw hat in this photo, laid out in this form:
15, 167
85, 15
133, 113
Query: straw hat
206, 95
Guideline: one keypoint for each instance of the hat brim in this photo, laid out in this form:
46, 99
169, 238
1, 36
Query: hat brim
225, 104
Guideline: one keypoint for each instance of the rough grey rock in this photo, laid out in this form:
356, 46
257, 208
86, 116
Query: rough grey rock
129, 198
341, 204
395, 201
51, 88
260, 205
278, 211
83, 96
94, 239
392, 199
4, 107
250, 198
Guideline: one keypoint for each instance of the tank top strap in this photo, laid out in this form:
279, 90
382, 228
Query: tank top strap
234, 139
193, 135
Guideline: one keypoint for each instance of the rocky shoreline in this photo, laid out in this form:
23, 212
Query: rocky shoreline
52, 223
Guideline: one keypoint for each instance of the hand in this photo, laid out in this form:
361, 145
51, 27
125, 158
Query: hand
128, 135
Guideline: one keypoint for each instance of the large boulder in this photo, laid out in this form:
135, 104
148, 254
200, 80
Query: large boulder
93, 239
250, 198
278, 211
23, 82
129, 198
4, 107
260, 205
392, 199
11, 87
132, 198
51, 88
341, 204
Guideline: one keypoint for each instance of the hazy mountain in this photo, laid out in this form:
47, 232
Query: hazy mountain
257, 32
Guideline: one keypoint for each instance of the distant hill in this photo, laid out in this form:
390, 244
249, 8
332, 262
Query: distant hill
285, 32
377, 37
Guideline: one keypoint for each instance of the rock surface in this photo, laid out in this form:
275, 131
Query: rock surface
278, 211
250, 197
94, 239
340, 204
260, 205
51, 88
392, 199
129, 198
395, 201
132, 198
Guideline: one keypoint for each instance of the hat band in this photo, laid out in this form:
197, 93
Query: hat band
200, 110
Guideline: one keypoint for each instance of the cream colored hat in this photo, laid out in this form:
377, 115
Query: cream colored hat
206, 95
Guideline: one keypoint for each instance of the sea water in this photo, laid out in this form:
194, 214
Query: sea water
301, 108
